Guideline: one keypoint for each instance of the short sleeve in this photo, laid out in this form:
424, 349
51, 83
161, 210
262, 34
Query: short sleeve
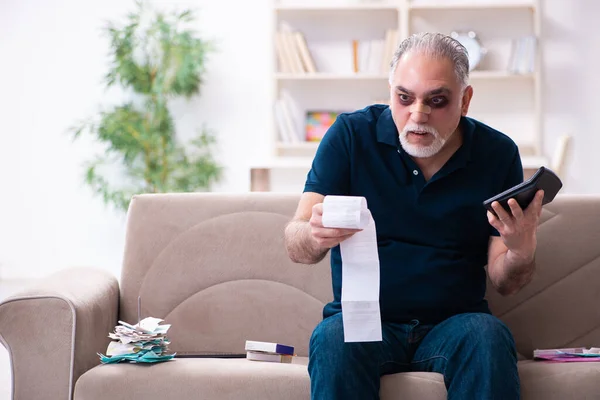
513, 178
330, 170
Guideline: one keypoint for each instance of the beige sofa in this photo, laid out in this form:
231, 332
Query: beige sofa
214, 266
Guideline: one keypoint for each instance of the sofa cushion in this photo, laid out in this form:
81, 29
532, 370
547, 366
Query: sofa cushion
541, 380
196, 378
413, 386
228, 379
225, 379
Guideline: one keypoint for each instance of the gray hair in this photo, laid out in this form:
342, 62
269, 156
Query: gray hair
435, 45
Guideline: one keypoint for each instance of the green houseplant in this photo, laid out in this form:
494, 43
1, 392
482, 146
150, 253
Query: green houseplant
154, 58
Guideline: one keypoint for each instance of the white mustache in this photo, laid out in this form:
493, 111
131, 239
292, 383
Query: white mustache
420, 128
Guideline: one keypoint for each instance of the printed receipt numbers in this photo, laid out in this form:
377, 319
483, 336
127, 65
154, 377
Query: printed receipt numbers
360, 267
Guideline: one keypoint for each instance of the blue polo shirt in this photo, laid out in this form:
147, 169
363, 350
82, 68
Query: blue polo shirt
432, 236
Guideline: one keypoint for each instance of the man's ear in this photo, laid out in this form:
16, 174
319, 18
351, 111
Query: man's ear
466, 100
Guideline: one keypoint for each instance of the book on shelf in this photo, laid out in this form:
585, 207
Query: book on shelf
355, 56
369, 55
269, 347
284, 125
390, 45
288, 118
307, 60
364, 56
293, 54
296, 56
318, 123
523, 55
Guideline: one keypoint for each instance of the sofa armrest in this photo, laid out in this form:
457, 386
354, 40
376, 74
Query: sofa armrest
54, 329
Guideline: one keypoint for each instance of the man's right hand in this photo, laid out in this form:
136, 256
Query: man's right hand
326, 238
306, 239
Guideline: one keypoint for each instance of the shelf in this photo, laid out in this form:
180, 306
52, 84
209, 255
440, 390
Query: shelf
498, 75
528, 162
462, 5
298, 146
336, 7
284, 163
425, 5
330, 77
381, 77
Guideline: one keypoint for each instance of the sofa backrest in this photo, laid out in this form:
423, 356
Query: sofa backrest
214, 266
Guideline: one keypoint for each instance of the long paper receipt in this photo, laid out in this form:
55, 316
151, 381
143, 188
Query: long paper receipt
360, 267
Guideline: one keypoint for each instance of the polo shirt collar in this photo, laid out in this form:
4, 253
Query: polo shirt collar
465, 151
386, 129
387, 133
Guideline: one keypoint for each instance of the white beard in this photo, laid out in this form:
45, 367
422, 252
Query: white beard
419, 151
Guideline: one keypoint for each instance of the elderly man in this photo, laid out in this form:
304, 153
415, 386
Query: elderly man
425, 169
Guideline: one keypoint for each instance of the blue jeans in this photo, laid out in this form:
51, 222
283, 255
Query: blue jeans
475, 352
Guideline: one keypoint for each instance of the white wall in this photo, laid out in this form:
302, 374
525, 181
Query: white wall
571, 54
52, 60
51, 64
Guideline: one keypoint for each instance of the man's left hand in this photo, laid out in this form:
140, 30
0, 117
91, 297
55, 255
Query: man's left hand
518, 228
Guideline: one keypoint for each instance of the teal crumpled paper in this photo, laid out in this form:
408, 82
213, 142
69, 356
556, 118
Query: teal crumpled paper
145, 342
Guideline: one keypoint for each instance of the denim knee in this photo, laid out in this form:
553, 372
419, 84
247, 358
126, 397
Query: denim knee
486, 333
327, 345
327, 337
340, 370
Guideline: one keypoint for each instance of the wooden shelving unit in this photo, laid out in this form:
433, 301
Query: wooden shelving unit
330, 77
475, 75
470, 5
325, 6
510, 102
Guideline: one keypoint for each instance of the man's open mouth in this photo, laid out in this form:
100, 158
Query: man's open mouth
420, 133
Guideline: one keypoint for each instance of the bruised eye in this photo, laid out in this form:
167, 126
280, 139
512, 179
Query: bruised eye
438, 102
404, 99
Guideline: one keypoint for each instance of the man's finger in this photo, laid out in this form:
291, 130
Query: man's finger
333, 232
515, 209
541, 194
540, 197
342, 238
316, 220
501, 213
346, 232
330, 242
318, 209
536, 204
494, 221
